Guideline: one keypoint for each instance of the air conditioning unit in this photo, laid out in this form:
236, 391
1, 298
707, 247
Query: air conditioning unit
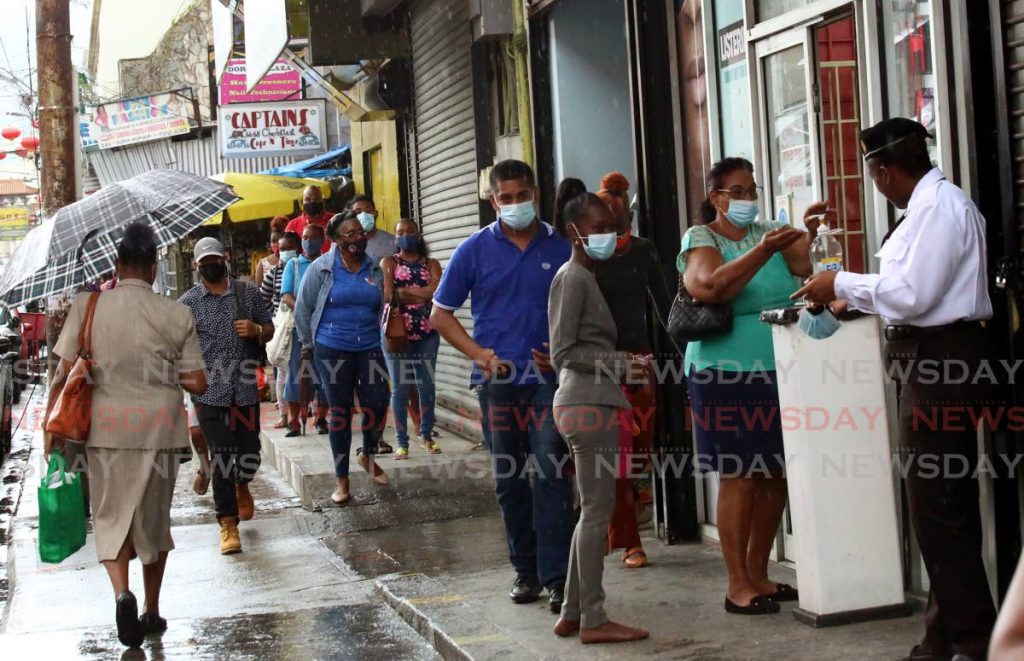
379, 7
491, 18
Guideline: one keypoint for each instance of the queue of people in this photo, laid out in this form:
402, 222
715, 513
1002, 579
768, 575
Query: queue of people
555, 311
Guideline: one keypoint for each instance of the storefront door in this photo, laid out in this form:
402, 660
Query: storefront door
810, 109
811, 116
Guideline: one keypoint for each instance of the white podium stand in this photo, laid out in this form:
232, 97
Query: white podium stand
842, 494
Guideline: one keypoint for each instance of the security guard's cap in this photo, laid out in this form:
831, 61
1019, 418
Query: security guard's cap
887, 133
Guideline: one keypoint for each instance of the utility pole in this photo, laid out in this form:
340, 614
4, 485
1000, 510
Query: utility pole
57, 129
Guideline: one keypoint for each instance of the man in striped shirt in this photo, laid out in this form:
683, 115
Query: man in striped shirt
270, 289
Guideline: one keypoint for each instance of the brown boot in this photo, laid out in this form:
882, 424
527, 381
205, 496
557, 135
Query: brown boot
230, 542
246, 506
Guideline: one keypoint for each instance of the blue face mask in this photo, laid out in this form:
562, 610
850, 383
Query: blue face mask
312, 247
408, 242
368, 221
599, 247
742, 213
287, 255
818, 326
518, 216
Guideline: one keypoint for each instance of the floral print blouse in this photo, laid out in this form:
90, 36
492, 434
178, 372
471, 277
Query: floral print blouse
416, 315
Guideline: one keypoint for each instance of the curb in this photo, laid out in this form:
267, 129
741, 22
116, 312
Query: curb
447, 621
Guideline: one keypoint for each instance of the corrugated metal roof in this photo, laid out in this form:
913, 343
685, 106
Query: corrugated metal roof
200, 156
16, 187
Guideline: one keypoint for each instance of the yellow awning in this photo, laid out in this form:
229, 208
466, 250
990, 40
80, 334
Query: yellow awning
264, 195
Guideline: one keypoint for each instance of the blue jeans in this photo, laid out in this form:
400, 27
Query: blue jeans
343, 374
539, 520
413, 368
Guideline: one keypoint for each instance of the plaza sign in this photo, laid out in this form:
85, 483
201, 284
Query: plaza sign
141, 119
267, 129
281, 83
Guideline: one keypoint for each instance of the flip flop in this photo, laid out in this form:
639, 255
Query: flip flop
785, 592
759, 605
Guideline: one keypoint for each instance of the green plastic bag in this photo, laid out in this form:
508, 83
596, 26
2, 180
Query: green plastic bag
61, 511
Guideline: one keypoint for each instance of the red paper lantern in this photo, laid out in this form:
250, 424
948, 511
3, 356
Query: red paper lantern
22, 152
10, 132
30, 142
3, 155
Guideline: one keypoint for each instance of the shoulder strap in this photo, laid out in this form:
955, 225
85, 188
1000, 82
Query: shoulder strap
85, 332
241, 305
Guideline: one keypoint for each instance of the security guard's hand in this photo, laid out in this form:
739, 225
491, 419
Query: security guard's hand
820, 288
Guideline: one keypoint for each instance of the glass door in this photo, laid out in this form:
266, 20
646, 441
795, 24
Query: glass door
789, 130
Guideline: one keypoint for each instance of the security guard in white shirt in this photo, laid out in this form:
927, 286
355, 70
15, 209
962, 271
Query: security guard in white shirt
932, 292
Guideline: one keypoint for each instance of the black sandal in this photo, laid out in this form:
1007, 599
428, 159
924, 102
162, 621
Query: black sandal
785, 592
759, 605
384, 448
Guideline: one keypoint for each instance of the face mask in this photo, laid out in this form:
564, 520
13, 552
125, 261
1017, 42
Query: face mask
623, 240
518, 216
214, 272
818, 326
313, 209
368, 221
598, 247
286, 255
742, 213
356, 248
312, 247
408, 242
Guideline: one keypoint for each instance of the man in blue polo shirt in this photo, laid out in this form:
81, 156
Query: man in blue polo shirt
508, 267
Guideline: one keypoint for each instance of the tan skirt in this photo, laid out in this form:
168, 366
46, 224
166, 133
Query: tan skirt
131, 492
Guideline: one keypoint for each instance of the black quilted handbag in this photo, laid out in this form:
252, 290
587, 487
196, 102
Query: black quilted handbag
691, 321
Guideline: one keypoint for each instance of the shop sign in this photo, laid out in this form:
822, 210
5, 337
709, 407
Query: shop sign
141, 119
13, 223
282, 82
732, 44
266, 129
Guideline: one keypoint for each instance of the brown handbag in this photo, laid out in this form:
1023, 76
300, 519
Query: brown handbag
71, 415
393, 325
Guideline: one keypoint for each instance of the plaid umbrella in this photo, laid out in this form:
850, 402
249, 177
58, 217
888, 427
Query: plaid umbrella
78, 244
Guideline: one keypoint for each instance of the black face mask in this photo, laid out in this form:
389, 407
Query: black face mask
313, 209
356, 247
214, 272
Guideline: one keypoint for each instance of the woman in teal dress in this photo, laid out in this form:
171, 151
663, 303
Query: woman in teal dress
735, 258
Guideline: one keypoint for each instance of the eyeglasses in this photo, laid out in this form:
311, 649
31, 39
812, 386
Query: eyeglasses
752, 193
353, 234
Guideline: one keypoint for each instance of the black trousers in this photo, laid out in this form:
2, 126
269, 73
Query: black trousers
938, 442
233, 434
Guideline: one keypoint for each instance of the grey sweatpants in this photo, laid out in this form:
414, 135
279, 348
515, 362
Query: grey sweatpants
593, 435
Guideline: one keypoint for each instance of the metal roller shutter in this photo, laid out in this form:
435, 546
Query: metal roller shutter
1013, 24
446, 189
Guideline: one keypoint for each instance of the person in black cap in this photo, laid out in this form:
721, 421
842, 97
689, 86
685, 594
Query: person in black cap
932, 291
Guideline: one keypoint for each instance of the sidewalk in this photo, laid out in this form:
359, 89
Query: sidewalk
307, 465
450, 581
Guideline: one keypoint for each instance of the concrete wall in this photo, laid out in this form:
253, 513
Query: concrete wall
180, 59
128, 29
590, 91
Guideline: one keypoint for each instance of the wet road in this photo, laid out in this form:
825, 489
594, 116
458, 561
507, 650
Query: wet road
287, 596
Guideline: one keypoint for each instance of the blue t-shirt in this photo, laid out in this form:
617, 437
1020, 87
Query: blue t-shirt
510, 293
351, 316
288, 283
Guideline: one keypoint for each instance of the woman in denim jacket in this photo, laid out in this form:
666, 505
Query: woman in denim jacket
337, 316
